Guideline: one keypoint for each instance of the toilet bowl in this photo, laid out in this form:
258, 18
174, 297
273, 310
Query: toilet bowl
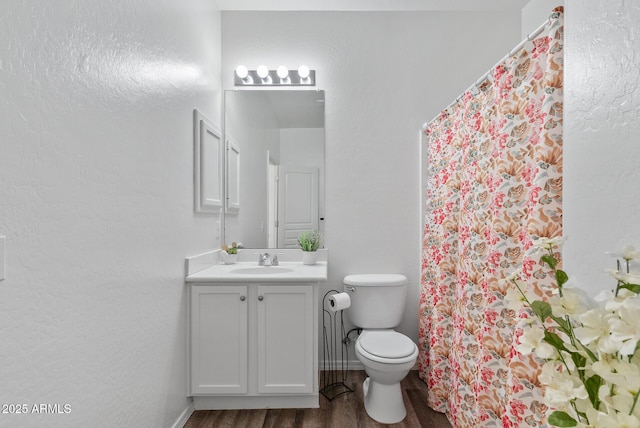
377, 304
387, 357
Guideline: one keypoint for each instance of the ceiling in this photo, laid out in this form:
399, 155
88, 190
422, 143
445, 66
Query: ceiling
371, 5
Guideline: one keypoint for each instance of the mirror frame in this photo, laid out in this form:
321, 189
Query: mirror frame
232, 186
208, 175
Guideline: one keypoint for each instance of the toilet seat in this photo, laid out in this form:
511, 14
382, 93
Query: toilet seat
386, 346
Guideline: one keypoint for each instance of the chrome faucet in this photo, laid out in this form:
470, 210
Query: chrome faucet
267, 260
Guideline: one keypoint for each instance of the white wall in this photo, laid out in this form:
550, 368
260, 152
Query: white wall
384, 75
96, 201
536, 12
602, 136
302, 147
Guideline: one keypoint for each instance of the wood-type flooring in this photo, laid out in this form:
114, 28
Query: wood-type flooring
345, 411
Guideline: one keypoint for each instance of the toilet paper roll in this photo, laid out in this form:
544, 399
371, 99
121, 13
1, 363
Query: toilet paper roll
339, 301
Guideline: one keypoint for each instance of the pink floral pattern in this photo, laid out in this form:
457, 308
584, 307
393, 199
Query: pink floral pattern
495, 183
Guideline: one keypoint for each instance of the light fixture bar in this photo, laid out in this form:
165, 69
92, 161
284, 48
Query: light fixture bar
251, 78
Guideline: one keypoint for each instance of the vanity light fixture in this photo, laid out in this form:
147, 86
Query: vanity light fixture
282, 76
303, 72
242, 73
263, 74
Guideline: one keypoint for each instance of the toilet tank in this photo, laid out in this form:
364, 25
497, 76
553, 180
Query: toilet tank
377, 300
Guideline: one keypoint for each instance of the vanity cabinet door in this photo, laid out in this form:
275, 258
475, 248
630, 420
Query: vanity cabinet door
285, 338
219, 339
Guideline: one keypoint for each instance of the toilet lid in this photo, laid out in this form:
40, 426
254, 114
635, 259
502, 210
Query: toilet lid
373, 279
387, 344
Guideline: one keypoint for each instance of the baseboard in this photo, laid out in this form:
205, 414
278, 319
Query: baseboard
280, 401
337, 365
352, 365
184, 416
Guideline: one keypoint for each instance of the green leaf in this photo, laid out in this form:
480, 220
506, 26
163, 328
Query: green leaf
563, 324
554, 340
541, 309
561, 277
592, 386
578, 359
561, 419
589, 352
550, 260
632, 287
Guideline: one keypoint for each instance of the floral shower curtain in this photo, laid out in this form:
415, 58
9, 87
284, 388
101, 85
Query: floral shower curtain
495, 184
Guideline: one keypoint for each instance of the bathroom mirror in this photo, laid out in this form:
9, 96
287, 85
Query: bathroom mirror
275, 182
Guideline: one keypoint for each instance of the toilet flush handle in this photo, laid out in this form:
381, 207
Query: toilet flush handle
350, 288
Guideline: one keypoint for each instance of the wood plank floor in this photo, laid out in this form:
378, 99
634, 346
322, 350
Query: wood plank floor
346, 411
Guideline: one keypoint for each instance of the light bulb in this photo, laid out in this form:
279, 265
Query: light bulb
303, 71
242, 71
282, 72
262, 71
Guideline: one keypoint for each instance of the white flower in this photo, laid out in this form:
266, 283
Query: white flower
609, 420
602, 338
628, 253
545, 351
616, 328
626, 277
611, 301
625, 375
514, 299
548, 371
593, 326
571, 303
561, 387
517, 293
531, 339
547, 243
625, 328
616, 403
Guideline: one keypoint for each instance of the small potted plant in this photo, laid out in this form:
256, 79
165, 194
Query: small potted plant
230, 254
309, 241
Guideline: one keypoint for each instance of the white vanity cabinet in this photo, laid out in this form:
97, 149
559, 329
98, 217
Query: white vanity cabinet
219, 339
254, 345
285, 342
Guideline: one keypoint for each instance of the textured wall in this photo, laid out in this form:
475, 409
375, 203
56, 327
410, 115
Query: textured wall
602, 136
384, 75
96, 201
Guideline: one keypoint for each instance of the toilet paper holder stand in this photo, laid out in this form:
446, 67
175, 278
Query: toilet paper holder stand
334, 344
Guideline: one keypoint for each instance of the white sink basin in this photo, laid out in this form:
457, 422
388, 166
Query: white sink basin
260, 270
251, 272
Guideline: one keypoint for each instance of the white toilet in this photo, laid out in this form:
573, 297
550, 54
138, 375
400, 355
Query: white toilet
377, 304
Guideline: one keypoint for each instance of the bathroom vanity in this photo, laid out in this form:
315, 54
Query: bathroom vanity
254, 332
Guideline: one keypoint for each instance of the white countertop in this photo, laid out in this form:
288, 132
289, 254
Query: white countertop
251, 272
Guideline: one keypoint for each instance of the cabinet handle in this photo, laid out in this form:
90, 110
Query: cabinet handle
242, 298
261, 298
